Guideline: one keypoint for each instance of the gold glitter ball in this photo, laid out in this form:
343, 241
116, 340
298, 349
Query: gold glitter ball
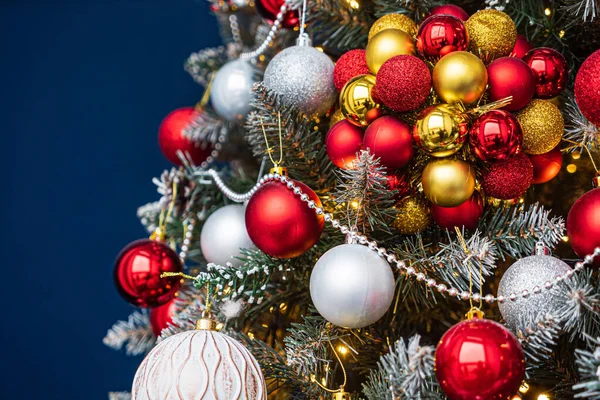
542, 124
413, 216
336, 117
394, 21
492, 34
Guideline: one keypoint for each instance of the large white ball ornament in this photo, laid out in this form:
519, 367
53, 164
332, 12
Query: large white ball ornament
352, 286
231, 89
224, 234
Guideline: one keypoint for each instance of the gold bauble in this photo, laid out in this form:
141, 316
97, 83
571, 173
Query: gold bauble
543, 126
387, 44
336, 117
413, 216
447, 182
356, 100
492, 34
394, 21
460, 77
441, 130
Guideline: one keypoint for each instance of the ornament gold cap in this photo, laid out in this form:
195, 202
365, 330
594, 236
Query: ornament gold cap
475, 312
341, 395
206, 324
596, 181
278, 170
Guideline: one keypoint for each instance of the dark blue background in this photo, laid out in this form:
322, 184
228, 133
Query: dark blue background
85, 85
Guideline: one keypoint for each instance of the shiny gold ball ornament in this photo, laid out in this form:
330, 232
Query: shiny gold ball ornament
413, 216
460, 77
441, 130
356, 100
492, 34
394, 21
543, 126
387, 44
447, 182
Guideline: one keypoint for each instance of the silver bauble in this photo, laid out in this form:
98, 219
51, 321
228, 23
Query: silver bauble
224, 234
525, 274
352, 286
303, 77
230, 89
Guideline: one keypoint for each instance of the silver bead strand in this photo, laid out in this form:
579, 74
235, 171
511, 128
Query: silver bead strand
270, 37
187, 240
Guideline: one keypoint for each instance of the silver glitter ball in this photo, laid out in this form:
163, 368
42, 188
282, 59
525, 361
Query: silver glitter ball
303, 77
525, 274
231, 89
352, 286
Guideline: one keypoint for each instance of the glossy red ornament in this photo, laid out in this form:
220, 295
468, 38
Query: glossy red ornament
390, 139
137, 273
509, 179
171, 137
587, 88
450, 9
279, 223
397, 181
403, 83
546, 166
510, 76
342, 143
441, 34
479, 359
268, 9
465, 215
583, 224
349, 65
161, 316
496, 136
550, 70
373, 114
522, 47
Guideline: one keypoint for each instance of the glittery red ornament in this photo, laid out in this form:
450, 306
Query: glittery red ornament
465, 215
509, 179
138, 269
441, 34
342, 143
546, 166
510, 76
171, 137
349, 65
496, 136
280, 223
522, 47
391, 140
587, 88
450, 9
268, 9
583, 224
161, 316
397, 181
479, 359
403, 83
550, 70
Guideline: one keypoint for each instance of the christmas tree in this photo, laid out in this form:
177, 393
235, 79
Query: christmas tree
376, 199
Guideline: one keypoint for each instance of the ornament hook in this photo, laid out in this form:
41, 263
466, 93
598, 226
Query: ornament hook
277, 168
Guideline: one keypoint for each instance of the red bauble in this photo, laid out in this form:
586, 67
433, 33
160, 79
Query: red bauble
496, 136
546, 166
587, 88
161, 316
510, 76
509, 179
550, 70
373, 114
390, 139
479, 359
403, 83
349, 65
583, 224
138, 269
279, 223
342, 143
450, 9
171, 137
397, 181
466, 215
522, 47
268, 9
441, 34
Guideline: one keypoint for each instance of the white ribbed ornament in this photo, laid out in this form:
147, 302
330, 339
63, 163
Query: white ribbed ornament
199, 365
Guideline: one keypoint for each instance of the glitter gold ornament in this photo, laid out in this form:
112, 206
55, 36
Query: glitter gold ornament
387, 44
336, 117
447, 182
460, 76
543, 126
441, 130
413, 216
394, 21
492, 34
356, 100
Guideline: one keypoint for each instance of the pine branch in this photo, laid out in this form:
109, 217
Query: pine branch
580, 299
207, 128
119, 396
202, 64
538, 337
135, 334
588, 364
415, 9
579, 132
589, 9
376, 387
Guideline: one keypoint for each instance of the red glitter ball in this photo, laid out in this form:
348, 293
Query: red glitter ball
403, 83
349, 65
510, 179
587, 88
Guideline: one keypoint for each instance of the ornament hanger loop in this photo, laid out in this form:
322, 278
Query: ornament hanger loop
341, 389
159, 233
474, 311
277, 169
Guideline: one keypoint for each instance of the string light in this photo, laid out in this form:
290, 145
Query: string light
354, 4
543, 396
547, 11
524, 387
571, 168
565, 238
576, 155
343, 350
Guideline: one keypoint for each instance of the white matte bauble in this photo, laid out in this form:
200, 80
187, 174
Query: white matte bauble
303, 78
198, 365
224, 234
352, 286
231, 89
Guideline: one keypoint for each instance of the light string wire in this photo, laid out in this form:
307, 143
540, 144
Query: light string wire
341, 389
